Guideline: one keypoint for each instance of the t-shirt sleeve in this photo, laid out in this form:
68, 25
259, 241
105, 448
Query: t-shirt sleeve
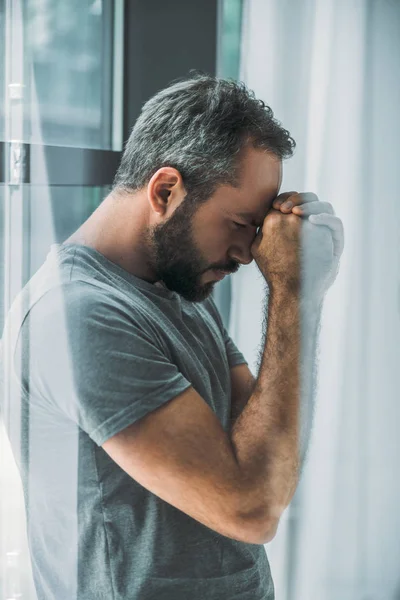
93, 359
235, 357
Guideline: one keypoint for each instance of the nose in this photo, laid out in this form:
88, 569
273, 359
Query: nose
240, 249
242, 255
245, 261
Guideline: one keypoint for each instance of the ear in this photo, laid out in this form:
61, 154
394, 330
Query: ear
165, 190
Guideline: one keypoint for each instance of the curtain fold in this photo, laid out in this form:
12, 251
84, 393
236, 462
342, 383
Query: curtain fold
330, 70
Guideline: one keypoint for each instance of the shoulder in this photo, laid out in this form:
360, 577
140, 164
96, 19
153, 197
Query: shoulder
79, 307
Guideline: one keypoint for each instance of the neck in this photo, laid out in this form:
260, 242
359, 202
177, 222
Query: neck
117, 232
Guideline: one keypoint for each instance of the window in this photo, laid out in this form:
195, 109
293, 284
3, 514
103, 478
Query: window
61, 66
228, 64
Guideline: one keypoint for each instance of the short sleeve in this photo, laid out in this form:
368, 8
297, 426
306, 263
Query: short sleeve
92, 358
235, 357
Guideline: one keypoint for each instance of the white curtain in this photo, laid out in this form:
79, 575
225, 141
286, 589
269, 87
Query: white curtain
330, 70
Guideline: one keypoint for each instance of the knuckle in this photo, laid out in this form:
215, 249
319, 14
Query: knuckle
292, 218
272, 219
310, 196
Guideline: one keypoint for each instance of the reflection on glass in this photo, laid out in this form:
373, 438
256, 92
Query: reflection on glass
2, 69
55, 213
68, 62
51, 214
1, 258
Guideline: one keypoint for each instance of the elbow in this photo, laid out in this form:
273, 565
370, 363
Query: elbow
265, 521
260, 530
271, 531
265, 532
258, 522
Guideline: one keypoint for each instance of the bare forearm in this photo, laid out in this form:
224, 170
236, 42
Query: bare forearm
270, 436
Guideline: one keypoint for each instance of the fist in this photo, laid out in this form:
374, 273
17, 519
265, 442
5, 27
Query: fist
308, 205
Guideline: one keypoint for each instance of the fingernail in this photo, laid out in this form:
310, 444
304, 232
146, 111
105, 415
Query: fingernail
287, 204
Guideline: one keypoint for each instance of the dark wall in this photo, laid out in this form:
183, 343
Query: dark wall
163, 40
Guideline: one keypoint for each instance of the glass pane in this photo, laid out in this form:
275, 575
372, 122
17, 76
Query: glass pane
230, 32
2, 67
1, 258
16, 580
68, 72
49, 215
55, 213
231, 38
15, 569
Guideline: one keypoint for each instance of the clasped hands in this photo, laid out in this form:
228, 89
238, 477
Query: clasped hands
319, 213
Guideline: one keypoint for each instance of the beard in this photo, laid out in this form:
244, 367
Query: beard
174, 256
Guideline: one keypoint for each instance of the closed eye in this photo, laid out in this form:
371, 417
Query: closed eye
238, 224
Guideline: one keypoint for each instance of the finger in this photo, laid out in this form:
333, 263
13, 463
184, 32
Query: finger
295, 198
313, 208
336, 227
282, 198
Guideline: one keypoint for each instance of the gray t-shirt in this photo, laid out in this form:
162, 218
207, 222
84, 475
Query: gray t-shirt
98, 349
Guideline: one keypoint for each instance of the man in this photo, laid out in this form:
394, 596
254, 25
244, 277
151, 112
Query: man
154, 465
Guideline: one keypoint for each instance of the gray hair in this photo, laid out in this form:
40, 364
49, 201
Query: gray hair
199, 125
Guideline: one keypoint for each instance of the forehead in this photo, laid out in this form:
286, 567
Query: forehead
260, 181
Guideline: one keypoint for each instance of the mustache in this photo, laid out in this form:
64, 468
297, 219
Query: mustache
229, 270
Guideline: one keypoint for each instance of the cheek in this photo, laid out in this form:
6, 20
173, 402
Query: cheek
213, 238
216, 244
